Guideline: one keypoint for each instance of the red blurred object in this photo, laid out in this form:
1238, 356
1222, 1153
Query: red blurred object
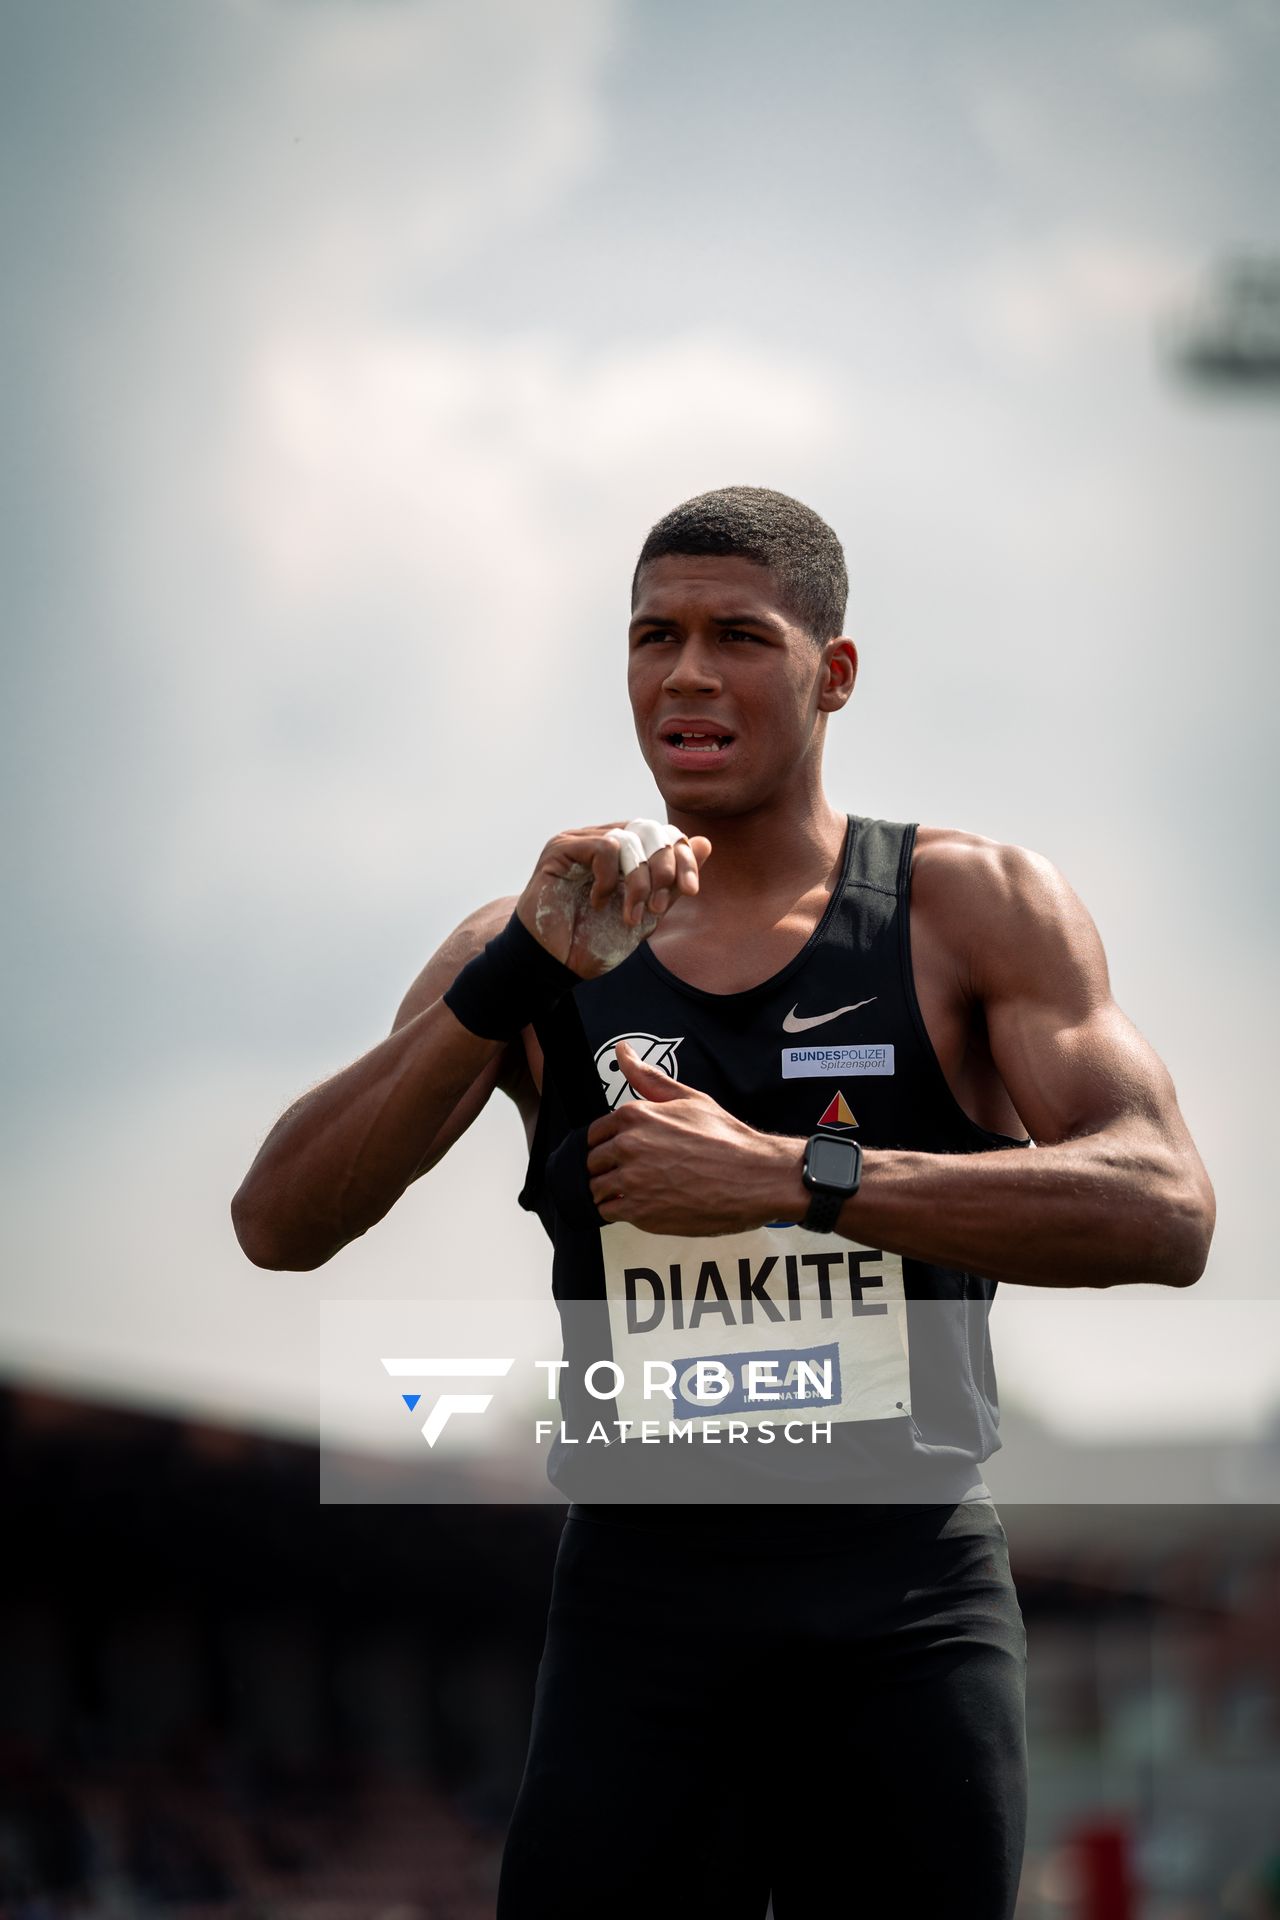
1107, 1889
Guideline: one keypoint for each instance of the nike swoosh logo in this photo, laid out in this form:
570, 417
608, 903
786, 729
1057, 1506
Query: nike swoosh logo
794, 1024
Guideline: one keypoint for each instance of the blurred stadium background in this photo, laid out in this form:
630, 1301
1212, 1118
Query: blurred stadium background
350, 346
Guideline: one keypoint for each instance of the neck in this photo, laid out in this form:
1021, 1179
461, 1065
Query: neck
780, 847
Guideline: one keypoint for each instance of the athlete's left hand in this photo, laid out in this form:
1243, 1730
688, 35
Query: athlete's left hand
673, 1161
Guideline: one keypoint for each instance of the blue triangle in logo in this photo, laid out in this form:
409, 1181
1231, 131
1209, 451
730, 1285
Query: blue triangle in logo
411, 1400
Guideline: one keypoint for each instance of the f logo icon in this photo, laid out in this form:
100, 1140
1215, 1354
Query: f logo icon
447, 1404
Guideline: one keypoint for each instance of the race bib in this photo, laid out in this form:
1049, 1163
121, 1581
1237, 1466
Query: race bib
777, 1323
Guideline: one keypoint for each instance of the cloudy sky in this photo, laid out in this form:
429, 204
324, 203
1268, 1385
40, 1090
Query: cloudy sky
350, 349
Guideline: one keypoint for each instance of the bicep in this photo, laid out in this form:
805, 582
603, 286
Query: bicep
503, 1070
1071, 1078
1072, 1062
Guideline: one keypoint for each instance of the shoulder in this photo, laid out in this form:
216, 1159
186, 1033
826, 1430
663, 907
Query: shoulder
479, 927
961, 867
453, 953
1002, 909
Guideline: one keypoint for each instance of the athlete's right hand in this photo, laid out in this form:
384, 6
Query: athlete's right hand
586, 912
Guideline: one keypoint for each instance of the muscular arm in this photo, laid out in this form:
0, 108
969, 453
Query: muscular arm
1114, 1190
342, 1155
340, 1158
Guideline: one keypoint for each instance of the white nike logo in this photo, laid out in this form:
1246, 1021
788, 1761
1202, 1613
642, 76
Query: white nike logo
793, 1024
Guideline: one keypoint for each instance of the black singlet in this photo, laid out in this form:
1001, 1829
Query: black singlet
891, 1356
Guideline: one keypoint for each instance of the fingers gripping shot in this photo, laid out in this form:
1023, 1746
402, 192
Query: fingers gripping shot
596, 895
779, 1065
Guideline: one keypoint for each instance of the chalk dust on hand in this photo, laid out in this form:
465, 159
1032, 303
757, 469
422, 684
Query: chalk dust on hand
601, 930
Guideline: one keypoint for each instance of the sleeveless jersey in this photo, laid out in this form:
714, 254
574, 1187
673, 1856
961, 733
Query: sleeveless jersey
831, 1371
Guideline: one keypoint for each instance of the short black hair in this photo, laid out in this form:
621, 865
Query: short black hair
775, 531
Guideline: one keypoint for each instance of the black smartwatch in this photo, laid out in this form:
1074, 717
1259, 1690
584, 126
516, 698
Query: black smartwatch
832, 1170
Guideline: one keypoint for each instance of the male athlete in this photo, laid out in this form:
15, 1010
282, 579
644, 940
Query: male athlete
781, 1068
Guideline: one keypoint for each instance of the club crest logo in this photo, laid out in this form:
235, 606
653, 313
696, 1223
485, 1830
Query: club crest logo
649, 1047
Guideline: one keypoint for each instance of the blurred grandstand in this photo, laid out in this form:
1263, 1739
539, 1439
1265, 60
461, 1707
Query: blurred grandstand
221, 1698
1230, 338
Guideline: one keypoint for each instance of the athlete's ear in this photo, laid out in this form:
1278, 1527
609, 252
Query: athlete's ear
649, 1082
839, 671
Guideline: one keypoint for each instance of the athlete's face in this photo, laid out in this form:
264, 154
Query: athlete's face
729, 693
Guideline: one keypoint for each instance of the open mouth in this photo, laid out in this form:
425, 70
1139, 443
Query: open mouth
698, 742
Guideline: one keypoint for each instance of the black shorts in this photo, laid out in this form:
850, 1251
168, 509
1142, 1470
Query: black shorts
828, 1708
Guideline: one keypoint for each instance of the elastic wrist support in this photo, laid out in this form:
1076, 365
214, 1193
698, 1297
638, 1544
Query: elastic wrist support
509, 983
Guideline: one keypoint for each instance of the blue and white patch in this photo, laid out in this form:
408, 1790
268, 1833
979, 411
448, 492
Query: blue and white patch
827, 1063
758, 1382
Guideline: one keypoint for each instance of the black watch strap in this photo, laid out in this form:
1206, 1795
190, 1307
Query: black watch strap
824, 1211
832, 1172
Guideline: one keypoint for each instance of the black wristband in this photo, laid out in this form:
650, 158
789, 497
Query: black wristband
509, 983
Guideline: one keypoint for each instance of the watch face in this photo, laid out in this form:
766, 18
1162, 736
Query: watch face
831, 1163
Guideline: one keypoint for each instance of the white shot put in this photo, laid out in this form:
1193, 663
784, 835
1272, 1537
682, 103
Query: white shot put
608, 937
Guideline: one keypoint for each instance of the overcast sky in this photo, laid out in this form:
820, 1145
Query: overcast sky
350, 350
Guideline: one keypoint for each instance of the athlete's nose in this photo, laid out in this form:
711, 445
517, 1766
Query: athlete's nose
693, 670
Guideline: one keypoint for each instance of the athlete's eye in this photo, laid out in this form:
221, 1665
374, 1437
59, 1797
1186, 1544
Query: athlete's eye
651, 634
740, 633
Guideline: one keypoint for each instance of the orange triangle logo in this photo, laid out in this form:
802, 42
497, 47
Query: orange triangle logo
838, 1114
